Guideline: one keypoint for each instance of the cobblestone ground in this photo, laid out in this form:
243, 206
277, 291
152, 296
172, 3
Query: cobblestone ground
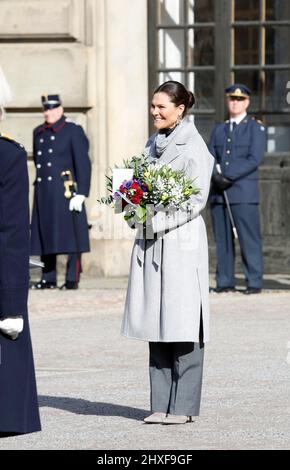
94, 388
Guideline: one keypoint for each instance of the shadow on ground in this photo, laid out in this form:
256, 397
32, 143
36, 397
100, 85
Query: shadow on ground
279, 283
84, 407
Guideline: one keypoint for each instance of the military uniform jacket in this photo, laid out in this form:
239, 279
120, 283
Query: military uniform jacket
14, 228
239, 153
18, 397
54, 228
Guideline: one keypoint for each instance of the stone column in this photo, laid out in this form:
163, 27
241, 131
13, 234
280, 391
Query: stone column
118, 125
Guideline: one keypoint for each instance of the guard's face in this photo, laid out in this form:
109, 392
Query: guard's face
237, 106
165, 113
53, 115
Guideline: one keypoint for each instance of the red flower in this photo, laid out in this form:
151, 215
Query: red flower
135, 185
136, 199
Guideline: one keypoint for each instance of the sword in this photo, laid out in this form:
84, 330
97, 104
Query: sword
70, 190
69, 184
235, 232
34, 263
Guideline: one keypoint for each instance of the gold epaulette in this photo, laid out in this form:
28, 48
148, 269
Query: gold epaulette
10, 139
5, 136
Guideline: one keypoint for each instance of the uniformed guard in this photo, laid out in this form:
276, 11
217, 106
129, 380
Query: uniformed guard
238, 146
18, 396
63, 171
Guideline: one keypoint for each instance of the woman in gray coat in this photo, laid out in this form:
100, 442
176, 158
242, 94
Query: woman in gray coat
167, 297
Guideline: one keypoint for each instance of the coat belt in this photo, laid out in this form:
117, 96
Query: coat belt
157, 250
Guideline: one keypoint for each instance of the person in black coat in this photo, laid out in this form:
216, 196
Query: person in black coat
238, 146
59, 222
19, 411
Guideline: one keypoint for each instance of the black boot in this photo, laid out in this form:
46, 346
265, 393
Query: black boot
69, 285
221, 290
43, 285
252, 290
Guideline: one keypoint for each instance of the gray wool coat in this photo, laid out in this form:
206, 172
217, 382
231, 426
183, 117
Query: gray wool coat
168, 284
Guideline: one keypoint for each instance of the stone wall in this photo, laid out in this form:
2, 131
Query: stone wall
90, 53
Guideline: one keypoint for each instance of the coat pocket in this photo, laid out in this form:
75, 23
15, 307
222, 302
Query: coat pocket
188, 235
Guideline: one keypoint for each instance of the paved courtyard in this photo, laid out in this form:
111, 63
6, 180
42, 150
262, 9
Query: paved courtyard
93, 384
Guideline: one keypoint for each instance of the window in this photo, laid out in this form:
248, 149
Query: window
182, 43
260, 36
208, 44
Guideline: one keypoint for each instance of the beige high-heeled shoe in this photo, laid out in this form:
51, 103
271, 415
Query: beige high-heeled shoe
155, 418
177, 419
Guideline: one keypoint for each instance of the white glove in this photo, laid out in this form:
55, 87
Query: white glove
76, 203
12, 326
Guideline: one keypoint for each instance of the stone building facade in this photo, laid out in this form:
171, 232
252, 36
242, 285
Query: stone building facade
101, 57
96, 58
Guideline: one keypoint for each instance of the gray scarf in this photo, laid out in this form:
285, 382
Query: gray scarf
163, 138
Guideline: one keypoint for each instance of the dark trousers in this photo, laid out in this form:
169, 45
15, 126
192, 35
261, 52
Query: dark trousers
176, 377
73, 268
247, 221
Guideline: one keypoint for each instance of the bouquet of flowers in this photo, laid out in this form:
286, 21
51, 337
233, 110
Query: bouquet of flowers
152, 186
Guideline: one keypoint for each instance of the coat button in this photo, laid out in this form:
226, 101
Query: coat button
39, 179
38, 165
227, 163
48, 163
229, 140
228, 151
49, 178
41, 141
39, 152
52, 137
50, 150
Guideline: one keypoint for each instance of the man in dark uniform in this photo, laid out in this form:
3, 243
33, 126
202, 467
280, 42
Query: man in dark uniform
18, 396
238, 146
59, 222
